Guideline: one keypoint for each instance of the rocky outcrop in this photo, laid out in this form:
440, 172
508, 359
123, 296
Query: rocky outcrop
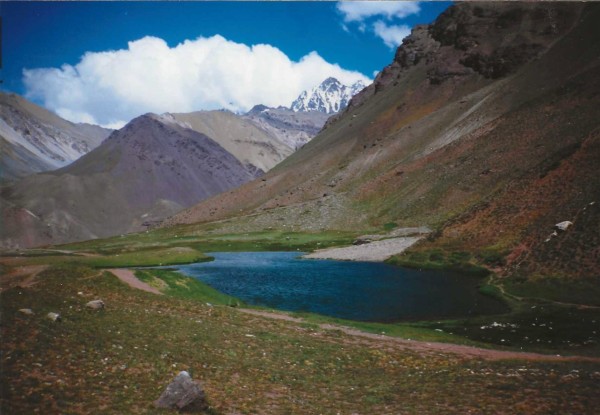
472, 38
183, 394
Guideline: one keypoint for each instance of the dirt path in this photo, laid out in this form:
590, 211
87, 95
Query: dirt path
428, 347
376, 251
129, 278
21, 275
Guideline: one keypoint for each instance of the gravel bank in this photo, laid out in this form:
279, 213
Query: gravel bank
374, 252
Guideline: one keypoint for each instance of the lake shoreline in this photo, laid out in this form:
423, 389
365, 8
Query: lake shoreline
376, 251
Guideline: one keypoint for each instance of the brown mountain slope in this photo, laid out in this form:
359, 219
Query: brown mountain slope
32, 139
144, 172
483, 108
251, 145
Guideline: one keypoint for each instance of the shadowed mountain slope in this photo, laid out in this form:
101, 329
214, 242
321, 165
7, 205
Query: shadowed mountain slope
149, 169
484, 127
32, 139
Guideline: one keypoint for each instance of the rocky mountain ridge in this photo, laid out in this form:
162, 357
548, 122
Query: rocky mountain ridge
297, 125
329, 97
33, 139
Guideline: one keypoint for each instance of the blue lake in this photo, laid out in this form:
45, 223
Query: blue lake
362, 291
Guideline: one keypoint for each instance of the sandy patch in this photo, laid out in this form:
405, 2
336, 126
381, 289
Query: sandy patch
129, 278
376, 251
23, 276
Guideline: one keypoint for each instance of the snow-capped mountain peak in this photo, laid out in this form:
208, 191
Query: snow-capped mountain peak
329, 97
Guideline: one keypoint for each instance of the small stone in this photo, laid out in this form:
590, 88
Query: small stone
26, 311
563, 226
54, 316
95, 304
183, 394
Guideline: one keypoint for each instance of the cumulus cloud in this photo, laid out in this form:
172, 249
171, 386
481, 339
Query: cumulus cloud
391, 35
362, 14
110, 88
357, 11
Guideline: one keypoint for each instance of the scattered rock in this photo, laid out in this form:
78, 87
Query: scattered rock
26, 311
95, 304
563, 226
54, 316
362, 240
569, 378
183, 394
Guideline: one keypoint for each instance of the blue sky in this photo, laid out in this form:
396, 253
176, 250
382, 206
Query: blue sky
306, 40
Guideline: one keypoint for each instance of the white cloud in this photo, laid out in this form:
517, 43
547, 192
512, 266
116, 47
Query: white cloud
357, 11
112, 87
391, 35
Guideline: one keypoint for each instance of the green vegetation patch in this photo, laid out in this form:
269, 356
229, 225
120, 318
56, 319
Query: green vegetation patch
145, 258
138, 258
539, 327
585, 292
174, 284
439, 259
201, 238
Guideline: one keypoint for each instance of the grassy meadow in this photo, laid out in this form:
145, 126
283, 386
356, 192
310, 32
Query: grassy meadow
119, 359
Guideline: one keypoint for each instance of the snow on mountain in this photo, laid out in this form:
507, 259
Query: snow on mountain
329, 97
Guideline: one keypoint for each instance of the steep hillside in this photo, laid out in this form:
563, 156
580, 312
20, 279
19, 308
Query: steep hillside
33, 139
251, 145
146, 171
484, 127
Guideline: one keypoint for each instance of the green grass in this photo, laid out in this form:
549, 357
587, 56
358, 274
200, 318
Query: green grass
585, 292
119, 360
140, 258
537, 327
177, 285
146, 258
204, 239
403, 330
390, 226
440, 260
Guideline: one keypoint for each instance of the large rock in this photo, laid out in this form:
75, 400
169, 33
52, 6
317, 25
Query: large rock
95, 304
183, 394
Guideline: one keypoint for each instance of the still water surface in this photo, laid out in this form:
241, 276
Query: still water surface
363, 291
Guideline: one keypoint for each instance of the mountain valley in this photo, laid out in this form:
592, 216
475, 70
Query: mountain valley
153, 178
469, 165
480, 156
